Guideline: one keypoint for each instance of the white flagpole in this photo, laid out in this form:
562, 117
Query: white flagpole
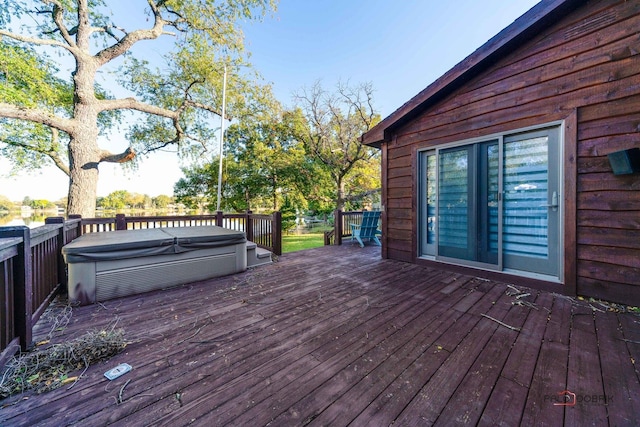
224, 100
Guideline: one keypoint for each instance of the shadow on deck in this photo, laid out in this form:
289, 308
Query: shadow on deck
337, 335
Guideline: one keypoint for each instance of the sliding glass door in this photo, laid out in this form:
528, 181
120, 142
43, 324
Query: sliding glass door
531, 202
467, 216
493, 203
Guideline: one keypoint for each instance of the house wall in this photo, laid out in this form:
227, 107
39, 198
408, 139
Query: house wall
584, 69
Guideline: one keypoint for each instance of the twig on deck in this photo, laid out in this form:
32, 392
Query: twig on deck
189, 337
261, 302
206, 341
525, 303
501, 323
122, 390
86, 366
513, 288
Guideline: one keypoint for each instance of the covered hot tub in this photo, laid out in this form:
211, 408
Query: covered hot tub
114, 264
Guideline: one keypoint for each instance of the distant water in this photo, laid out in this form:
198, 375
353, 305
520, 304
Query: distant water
35, 220
31, 221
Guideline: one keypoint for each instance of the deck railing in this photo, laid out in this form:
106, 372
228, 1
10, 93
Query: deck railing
31, 272
342, 226
32, 268
263, 230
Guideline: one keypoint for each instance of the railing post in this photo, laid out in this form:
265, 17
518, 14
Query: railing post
62, 270
249, 226
276, 231
80, 227
121, 222
23, 285
337, 225
219, 218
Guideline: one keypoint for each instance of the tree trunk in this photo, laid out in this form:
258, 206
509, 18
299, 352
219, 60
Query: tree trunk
84, 153
83, 175
340, 199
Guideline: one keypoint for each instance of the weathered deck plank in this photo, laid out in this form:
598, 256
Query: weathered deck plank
620, 380
338, 336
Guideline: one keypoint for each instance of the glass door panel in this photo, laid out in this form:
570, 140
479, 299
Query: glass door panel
428, 192
468, 203
488, 207
455, 204
530, 220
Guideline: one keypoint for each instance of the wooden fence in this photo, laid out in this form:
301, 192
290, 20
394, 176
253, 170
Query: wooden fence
32, 269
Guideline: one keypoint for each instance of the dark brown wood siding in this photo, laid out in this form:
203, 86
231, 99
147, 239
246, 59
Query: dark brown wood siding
586, 64
608, 218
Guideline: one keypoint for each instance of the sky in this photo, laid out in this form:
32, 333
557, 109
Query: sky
400, 47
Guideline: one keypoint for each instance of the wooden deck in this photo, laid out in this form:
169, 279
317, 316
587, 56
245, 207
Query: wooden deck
338, 336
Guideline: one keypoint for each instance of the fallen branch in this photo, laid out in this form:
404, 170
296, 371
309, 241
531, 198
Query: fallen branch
49, 368
79, 376
189, 337
122, 390
501, 323
525, 303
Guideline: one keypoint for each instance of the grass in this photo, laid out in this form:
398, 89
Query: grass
299, 242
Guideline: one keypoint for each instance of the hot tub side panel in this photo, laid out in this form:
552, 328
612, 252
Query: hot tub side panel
120, 278
102, 280
82, 282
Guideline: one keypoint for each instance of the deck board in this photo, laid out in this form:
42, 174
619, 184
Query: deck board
338, 336
620, 382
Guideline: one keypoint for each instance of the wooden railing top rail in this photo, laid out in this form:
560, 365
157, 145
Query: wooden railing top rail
246, 222
6, 244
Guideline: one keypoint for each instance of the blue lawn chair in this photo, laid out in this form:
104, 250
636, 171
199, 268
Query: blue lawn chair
368, 229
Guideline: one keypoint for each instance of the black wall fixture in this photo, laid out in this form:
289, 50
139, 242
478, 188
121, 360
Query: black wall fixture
625, 162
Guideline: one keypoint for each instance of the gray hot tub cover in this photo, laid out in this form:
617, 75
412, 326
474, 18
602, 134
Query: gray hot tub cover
148, 242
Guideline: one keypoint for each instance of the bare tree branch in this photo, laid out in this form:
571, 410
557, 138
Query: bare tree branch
37, 116
208, 108
50, 152
58, 14
124, 157
34, 40
132, 38
134, 104
60, 163
359, 196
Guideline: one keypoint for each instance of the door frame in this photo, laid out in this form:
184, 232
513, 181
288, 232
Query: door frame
567, 142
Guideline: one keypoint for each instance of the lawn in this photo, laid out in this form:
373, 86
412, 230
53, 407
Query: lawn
298, 242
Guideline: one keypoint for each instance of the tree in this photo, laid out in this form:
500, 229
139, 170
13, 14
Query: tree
162, 201
41, 204
198, 187
335, 123
115, 200
5, 203
49, 117
264, 163
289, 216
268, 155
135, 200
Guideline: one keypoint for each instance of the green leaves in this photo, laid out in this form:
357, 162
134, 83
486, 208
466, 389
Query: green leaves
28, 79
